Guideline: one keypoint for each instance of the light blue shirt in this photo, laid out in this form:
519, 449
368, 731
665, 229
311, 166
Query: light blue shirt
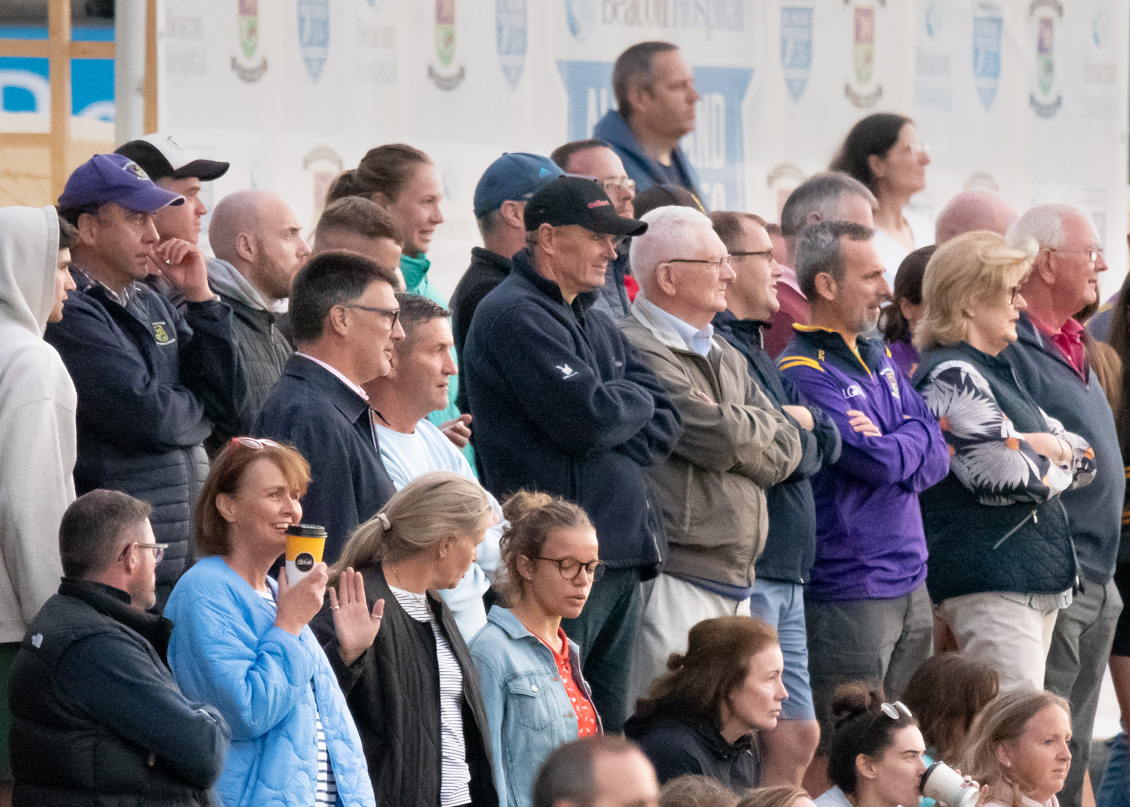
698, 341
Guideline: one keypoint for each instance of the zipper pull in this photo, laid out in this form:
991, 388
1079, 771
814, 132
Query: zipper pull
1035, 519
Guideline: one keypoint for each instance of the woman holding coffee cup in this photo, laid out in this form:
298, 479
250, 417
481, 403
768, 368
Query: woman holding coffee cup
1019, 749
241, 641
415, 693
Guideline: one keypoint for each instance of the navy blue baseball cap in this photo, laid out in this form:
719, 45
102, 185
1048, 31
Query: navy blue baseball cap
114, 178
513, 177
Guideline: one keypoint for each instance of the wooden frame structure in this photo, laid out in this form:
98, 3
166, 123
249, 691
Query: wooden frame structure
59, 49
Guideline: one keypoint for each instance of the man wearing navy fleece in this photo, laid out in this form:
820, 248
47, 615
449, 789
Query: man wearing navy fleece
563, 404
866, 608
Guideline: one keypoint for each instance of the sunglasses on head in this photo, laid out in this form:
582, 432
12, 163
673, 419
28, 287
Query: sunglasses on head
255, 444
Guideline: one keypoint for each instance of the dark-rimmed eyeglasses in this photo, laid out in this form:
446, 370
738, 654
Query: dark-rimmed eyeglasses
1013, 293
255, 444
1092, 253
393, 314
158, 550
570, 568
716, 264
763, 253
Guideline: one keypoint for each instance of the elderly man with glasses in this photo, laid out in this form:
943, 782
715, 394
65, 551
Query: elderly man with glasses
1049, 358
735, 442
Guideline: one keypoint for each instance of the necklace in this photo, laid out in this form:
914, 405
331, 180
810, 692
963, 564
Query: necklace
420, 598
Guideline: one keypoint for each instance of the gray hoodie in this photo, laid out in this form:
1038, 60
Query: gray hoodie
37, 419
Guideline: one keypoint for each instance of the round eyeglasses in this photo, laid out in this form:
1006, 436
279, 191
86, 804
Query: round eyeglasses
570, 568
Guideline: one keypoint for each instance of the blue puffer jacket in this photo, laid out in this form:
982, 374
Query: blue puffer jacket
226, 651
527, 707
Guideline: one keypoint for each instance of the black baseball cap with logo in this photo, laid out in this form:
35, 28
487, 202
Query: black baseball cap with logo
161, 156
577, 200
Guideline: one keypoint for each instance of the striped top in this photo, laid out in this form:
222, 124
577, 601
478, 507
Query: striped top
455, 775
325, 790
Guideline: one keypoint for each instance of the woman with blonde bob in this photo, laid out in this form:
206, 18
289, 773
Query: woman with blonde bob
415, 693
1018, 750
1002, 561
535, 695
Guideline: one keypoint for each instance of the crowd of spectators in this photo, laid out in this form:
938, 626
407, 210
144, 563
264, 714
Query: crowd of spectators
800, 510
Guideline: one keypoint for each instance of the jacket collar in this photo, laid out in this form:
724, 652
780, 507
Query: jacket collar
868, 354
415, 269
523, 266
727, 322
348, 402
115, 604
658, 323
227, 281
496, 261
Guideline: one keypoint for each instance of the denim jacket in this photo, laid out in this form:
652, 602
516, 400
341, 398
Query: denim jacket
527, 709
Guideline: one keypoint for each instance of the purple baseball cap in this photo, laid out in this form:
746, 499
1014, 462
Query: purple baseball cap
114, 178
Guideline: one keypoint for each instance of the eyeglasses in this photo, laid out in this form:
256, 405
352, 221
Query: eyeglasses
570, 568
715, 264
617, 183
255, 445
392, 313
1092, 253
765, 253
892, 710
1013, 293
158, 550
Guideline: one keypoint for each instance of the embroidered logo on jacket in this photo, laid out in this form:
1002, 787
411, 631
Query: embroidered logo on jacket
566, 370
854, 391
892, 379
161, 333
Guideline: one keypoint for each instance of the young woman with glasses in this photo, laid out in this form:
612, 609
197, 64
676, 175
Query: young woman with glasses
876, 755
535, 695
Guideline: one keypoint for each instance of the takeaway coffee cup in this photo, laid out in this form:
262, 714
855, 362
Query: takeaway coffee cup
304, 546
945, 785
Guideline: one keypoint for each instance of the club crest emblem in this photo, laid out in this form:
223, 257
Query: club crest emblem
248, 21
510, 38
445, 48
863, 88
161, 333
314, 34
796, 48
1045, 99
988, 26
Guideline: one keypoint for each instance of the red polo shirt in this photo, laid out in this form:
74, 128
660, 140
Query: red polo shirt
1068, 340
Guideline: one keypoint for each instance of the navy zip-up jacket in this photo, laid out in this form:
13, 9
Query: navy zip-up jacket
150, 385
563, 404
1094, 511
614, 130
791, 543
329, 423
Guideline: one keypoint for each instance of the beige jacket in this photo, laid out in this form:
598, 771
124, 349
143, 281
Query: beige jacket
735, 444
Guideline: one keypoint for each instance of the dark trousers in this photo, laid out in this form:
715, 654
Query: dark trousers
606, 634
1076, 663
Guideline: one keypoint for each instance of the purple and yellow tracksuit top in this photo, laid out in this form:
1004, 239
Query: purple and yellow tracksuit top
869, 538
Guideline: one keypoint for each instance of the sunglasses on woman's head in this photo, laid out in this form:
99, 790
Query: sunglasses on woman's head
254, 444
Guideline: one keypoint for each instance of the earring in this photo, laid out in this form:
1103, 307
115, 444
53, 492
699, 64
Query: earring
1008, 764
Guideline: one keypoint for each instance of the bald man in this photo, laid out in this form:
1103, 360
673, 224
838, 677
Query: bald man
259, 249
973, 210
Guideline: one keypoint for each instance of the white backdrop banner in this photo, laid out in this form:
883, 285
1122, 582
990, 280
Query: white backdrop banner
1026, 97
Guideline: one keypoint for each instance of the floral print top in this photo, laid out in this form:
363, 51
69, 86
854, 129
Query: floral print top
987, 453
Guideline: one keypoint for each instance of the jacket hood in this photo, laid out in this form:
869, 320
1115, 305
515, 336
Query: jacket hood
225, 279
29, 254
636, 728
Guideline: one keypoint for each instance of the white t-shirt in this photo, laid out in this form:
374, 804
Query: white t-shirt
891, 252
407, 456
